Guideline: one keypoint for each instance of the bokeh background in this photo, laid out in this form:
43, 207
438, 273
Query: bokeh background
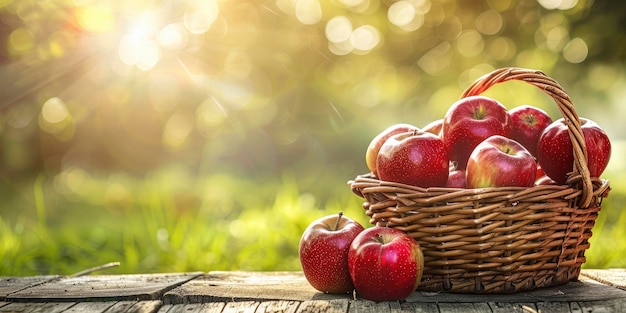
202, 135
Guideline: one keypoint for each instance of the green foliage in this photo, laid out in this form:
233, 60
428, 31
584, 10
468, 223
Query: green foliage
609, 236
169, 224
165, 224
608, 242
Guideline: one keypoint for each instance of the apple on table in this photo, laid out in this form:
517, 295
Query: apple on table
323, 252
385, 264
469, 121
499, 161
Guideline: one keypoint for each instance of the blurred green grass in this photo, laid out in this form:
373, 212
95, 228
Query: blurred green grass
164, 223
171, 222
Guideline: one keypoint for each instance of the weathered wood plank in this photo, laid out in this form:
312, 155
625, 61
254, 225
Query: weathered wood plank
415, 307
121, 306
90, 307
267, 292
611, 277
324, 306
583, 290
37, 307
241, 286
179, 308
553, 307
150, 306
130, 306
106, 287
610, 306
213, 307
463, 307
240, 307
575, 307
52, 307
19, 307
512, 307
278, 307
9, 285
366, 306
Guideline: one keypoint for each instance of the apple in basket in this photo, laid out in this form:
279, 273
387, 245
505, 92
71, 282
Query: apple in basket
385, 264
527, 123
555, 150
379, 140
324, 250
499, 161
456, 179
468, 122
542, 178
434, 127
414, 158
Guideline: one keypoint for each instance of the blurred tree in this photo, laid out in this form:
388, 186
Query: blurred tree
133, 86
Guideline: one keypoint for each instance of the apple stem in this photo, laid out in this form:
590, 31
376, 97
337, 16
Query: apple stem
339, 215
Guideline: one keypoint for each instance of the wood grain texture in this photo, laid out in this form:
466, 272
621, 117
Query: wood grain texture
80, 307
42, 307
241, 286
9, 285
270, 292
324, 306
105, 287
612, 277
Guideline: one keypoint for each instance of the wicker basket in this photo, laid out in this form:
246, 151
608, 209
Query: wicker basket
496, 240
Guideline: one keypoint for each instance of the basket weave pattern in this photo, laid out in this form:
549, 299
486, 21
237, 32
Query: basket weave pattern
501, 239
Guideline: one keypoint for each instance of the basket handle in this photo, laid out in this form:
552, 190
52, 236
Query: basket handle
563, 102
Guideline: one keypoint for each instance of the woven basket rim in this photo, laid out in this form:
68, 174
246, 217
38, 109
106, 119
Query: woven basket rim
600, 188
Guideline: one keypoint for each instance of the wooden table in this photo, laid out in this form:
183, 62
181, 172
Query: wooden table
596, 291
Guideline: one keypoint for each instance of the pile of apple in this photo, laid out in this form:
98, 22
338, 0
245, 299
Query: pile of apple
479, 143
339, 256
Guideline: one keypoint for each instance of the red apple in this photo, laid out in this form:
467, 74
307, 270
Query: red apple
385, 264
555, 151
377, 142
434, 127
456, 179
413, 158
540, 172
468, 122
527, 123
324, 250
499, 161
544, 180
